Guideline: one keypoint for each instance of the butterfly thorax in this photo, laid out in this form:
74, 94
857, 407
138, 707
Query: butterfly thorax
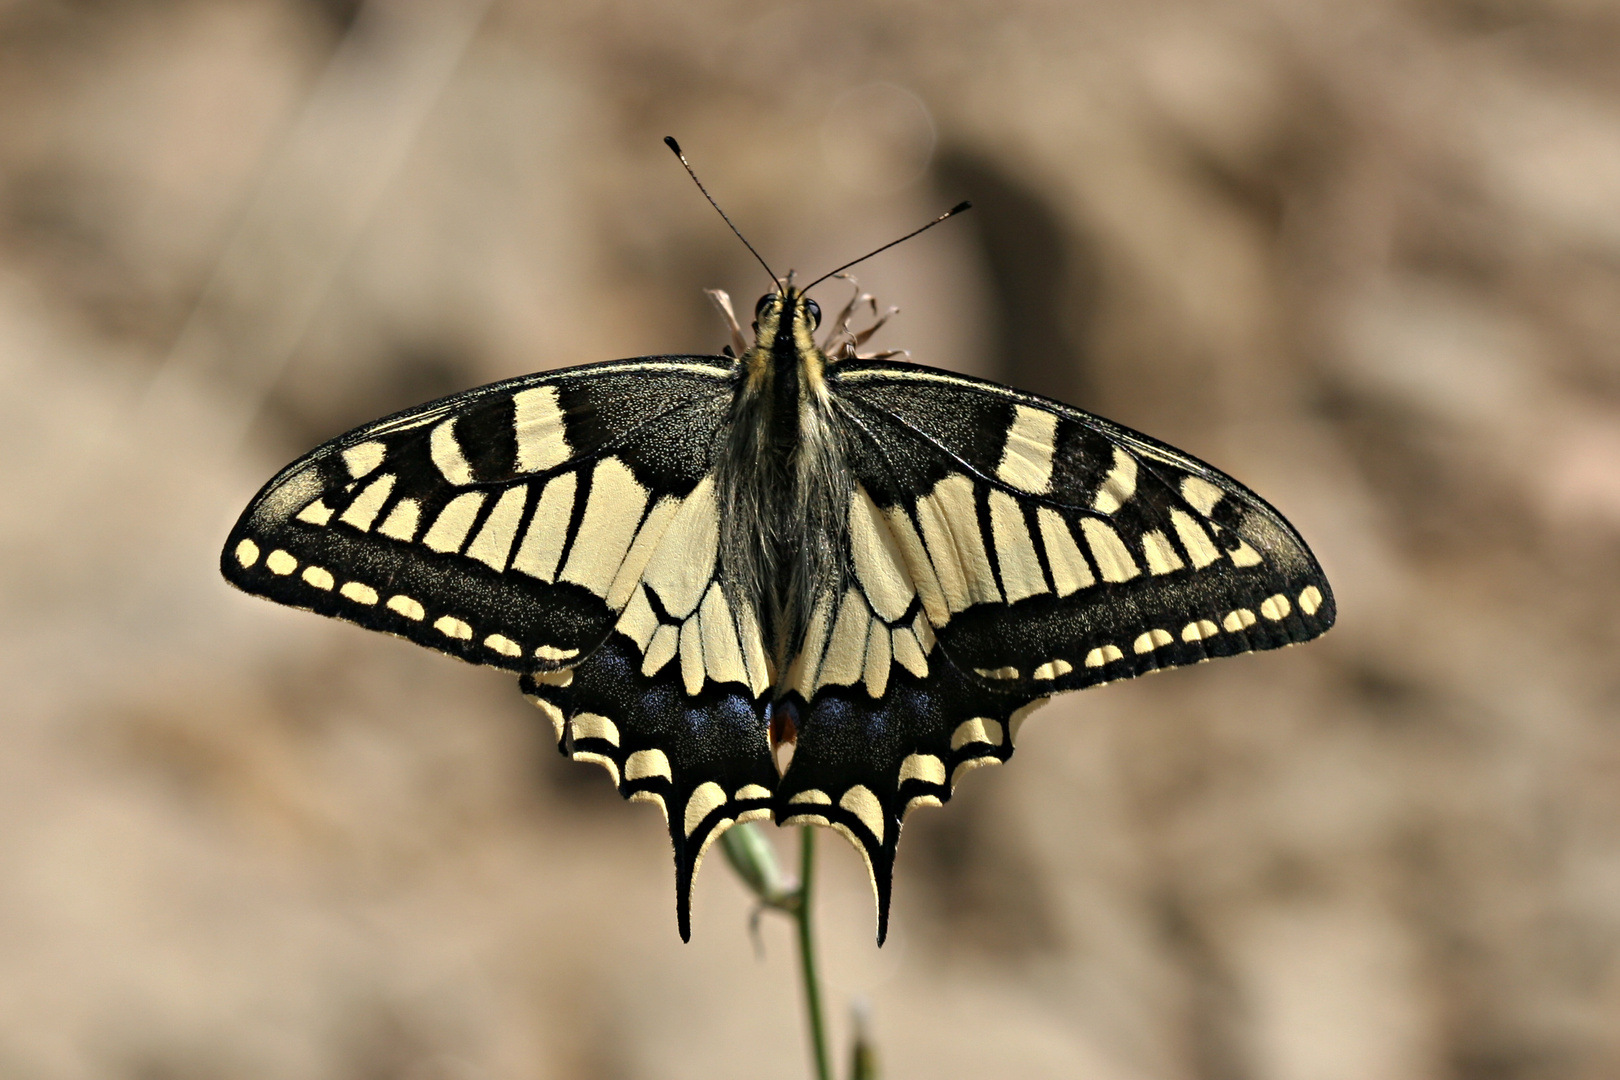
783, 478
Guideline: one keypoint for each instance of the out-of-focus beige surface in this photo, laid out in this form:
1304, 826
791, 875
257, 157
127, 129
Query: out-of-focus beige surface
1366, 257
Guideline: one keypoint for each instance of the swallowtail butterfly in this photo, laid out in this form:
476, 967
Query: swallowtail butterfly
690, 561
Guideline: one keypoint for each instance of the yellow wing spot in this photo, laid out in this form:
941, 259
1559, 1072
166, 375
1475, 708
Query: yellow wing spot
638, 622
543, 540
814, 796
722, 652
1240, 619
1202, 630
1105, 654
1053, 669
806, 819
1069, 570
752, 791
452, 627
493, 543
879, 658
661, 650
704, 800
1309, 601
449, 530
879, 564
844, 660
860, 801
1244, 555
280, 562
924, 633
970, 764
551, 652
555, 678
445, 450
1114, 561
647, 764
1202, 494
1151, 640
907, 653
923, 800
404, 605
978, 730
950, 531
1026, 460
1119, 486
612, 513
363, 510
359, 593
1015, 549
364, 459
682, 565
1199, 546
316, 513
1161, 554
691, 643
538, 425
1276, 607
591, 726
317, 578
247, 553
924, 767
503, 645
402, 521
603, 760
998, 673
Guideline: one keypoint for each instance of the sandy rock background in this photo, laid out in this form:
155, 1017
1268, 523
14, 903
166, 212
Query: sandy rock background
1366, 257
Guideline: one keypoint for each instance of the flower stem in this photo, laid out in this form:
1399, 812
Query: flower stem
807, 953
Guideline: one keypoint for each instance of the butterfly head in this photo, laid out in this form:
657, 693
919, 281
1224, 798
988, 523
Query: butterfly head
785, 321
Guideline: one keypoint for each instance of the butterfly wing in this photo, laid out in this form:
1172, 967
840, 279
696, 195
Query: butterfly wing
562, 526
1005, 547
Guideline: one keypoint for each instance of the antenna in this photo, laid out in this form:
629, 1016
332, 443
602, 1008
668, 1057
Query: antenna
952, 212
776, 283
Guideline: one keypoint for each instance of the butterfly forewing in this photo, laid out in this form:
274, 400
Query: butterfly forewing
1070, 550
489, 525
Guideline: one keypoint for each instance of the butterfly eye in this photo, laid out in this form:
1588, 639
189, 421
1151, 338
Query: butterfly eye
764, 301
813, 309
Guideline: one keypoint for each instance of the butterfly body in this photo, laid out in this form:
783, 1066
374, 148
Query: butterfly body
691, 559
782, 477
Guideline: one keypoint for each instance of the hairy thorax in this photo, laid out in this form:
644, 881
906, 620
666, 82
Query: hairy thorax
783, 480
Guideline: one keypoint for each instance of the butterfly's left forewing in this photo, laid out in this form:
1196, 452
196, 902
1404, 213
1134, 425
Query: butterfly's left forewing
1005, 547
492, 524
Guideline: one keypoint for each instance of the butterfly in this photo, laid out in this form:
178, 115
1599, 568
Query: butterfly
697, 563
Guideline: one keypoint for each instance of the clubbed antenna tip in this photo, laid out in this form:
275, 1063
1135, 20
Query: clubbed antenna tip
669, 141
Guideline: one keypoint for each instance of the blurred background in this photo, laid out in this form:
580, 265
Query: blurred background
1364, 257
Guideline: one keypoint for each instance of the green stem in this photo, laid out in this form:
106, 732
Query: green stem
807, 953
